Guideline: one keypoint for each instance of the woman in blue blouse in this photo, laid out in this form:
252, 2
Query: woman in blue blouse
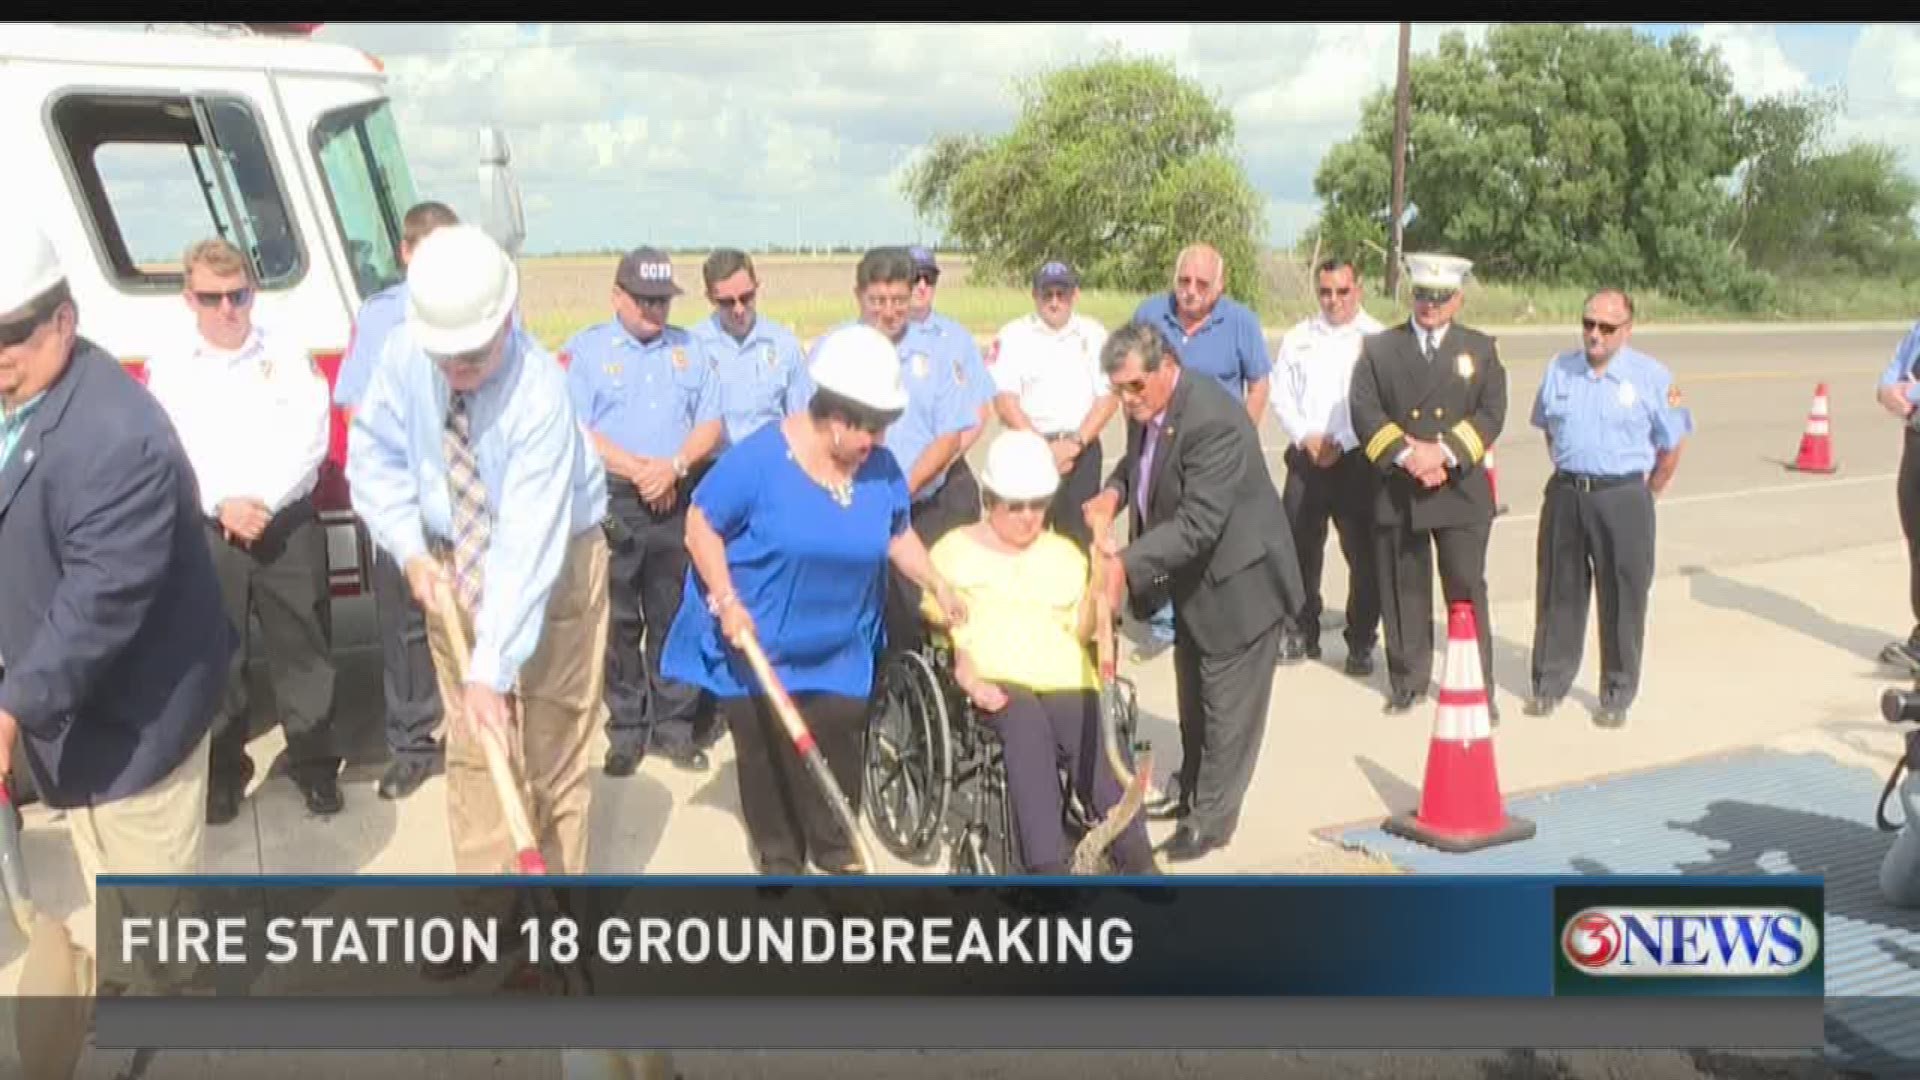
790, 536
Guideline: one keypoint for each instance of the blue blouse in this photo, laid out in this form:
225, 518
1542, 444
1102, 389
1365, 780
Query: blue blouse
810, 572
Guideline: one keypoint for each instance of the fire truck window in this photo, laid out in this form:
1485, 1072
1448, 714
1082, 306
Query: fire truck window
152, 184
369, 187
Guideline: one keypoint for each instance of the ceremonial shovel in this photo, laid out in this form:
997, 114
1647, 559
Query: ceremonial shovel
53, 1007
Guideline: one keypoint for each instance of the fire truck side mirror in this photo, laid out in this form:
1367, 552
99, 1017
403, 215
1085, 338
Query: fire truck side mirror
502, 217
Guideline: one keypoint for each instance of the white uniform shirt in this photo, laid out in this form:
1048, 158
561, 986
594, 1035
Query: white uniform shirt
1314, 374
254, 421
1055, 373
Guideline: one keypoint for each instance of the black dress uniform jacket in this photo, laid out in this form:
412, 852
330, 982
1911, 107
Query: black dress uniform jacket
115, 642
1215, 537
1459, 397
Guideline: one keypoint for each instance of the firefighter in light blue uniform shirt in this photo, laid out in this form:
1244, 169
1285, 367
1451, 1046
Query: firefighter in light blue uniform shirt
1615, 426
649, 400
1899, 394
758, 364
940, 411
948, 344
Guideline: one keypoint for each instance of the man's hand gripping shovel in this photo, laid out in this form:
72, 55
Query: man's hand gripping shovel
1116, 720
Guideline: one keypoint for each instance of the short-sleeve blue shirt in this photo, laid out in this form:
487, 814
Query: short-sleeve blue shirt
938, 403
948, 343
1613, 423
1229, 346
644, 397
760, 378
1905, 364
811, 573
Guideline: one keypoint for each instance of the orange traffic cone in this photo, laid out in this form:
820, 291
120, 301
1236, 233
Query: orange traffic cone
1460, 804
1493, 485
1816, 446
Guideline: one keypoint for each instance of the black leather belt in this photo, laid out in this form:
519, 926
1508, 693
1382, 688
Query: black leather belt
1591, 482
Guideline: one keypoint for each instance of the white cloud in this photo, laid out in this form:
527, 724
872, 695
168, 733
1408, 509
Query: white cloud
1883, 90
1754, 58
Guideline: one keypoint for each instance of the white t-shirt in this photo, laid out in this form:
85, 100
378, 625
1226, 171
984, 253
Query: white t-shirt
1055, 373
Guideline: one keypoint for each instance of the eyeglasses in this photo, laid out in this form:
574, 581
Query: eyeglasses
239, 298
1018, 506
745, 299
1591, 325
19, 330
1432, 296
1132, 386
1049, 295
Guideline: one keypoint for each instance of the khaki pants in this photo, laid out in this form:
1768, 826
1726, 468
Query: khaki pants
158, 831
557, 703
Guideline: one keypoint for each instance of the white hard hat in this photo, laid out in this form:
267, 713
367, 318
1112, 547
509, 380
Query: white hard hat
1020, 466
859, 363
1430, 271
28, 267
460, 287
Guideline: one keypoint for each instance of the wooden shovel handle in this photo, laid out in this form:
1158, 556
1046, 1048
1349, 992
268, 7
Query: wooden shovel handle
527, 849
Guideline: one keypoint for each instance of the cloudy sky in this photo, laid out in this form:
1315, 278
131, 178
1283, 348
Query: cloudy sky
689, 135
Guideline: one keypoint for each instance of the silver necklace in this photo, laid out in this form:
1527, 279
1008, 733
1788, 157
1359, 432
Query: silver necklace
841, 491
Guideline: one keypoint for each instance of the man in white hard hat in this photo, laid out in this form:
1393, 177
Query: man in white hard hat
470, 468
116, 646
1429, 396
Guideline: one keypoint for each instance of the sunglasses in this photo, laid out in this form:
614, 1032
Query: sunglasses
745, 299
1050, 295
239, 298
1591, 325
1132, 386
1022, 505
19, 330
1432, 296
1341, 293
926, 279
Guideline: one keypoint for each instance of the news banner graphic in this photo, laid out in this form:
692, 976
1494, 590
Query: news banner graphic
935, 962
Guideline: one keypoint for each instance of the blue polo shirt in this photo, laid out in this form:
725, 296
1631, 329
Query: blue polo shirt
1613, 422
1229, 346
760, 378
644, 397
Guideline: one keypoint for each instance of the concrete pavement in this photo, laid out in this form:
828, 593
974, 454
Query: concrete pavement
1776, 591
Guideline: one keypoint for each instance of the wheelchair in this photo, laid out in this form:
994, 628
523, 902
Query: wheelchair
935, 772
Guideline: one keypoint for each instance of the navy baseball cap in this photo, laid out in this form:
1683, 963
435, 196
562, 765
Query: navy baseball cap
923, 260
647, 272
1055, 275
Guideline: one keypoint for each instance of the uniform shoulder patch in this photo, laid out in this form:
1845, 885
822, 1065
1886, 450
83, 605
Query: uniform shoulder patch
1673, 395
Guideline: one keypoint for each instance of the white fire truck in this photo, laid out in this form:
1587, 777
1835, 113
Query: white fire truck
131, 143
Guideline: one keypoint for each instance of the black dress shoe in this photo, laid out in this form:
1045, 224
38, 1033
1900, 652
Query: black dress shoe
1610, 716
1359, 664
1312, 648
1166, 808
621, 761
223, 803
1541, 705
1291, 650
1402, 701
404, 777
1187, 845
322, 794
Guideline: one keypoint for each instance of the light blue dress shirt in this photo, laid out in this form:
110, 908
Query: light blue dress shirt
762, 378
1902, 364
1613, 423
533, 457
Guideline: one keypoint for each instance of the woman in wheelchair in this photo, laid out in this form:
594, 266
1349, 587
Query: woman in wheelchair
1023, 655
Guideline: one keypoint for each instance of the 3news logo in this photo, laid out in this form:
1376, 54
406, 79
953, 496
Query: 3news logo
1666, 941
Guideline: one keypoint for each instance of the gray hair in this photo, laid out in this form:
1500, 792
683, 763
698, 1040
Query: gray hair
1137, 339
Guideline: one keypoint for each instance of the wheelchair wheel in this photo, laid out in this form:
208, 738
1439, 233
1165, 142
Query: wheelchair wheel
909, 758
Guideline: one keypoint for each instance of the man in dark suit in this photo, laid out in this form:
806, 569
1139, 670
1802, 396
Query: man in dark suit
1429, 397
115, 644
1210, 533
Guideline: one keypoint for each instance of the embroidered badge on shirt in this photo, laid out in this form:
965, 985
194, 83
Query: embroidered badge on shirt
680, 359
767, 351
959, 371
1464, 365
1673, 396
1626, 394
919, 362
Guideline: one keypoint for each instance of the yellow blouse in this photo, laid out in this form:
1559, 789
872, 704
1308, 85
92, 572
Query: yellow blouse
1023, 611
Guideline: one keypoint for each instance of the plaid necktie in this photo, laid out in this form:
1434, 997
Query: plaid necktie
471, 526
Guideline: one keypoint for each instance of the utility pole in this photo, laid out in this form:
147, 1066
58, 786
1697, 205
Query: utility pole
1402, 107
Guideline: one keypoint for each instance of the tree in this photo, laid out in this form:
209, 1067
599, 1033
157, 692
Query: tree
1557, 153
1113, 165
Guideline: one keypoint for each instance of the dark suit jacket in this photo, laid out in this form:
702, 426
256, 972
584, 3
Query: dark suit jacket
1215, 537
113, 636
1460, 398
